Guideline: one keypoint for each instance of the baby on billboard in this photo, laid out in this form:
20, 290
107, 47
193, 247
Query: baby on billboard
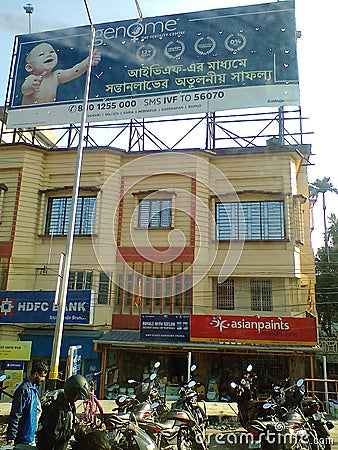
40, 86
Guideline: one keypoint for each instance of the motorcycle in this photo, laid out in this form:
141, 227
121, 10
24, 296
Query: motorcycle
184, 424
190, 417
313, 412
278, 423
123, 434
297, 419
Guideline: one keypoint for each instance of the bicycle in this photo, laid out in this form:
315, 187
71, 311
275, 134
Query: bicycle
93, 415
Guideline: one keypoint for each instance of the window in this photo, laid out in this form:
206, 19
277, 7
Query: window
58, 212
104, 292
80, 280
254, 221
261, 295
154, 213
225, 294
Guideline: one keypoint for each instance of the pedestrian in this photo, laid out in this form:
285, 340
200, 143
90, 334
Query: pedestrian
95, 440
58, 420
23, 417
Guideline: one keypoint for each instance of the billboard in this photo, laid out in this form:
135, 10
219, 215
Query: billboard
188, 63
254, 330
38, 307
164, 327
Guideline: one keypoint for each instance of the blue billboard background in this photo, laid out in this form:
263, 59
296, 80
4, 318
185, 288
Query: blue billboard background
152, 61
38, 307
164, 327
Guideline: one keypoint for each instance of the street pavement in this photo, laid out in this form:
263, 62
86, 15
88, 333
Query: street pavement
223, 432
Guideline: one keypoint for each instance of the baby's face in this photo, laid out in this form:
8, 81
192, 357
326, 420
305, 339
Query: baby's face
42, 58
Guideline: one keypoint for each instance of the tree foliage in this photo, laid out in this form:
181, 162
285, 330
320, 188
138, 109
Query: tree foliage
327, 280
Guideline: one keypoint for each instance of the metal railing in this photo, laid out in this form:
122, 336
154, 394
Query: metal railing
325, 389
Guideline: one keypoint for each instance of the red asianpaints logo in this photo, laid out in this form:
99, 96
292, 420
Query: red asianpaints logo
6, 306
251, 329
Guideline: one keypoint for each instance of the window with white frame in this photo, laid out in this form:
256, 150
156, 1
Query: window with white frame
256, 221
103, 296
155, 213
261, 295
80, 280
58, 215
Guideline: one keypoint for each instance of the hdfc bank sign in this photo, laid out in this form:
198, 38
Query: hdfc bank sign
250, 329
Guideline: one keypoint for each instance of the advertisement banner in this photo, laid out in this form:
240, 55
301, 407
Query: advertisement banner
15, 378
38, 307
254, 330
164, 327
203, 61
15, 350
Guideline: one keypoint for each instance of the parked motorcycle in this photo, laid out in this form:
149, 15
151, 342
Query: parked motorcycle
192, 417
298, 424
282, 422
182, 425
123, 434
312, 409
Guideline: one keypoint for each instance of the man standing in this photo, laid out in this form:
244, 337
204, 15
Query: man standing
22, 421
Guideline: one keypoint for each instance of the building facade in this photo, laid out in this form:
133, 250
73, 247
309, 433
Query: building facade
187, 255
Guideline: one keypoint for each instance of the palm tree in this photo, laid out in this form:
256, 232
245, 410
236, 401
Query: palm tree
322, 187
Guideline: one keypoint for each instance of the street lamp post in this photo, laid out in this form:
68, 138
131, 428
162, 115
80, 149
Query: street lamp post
54, 366
29, 10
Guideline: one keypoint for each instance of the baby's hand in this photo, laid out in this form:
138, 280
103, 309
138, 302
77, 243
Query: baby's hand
96, 57
34, 82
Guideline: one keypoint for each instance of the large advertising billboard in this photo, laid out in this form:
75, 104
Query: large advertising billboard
196, 62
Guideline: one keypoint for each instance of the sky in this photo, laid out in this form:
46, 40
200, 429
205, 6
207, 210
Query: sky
316, 51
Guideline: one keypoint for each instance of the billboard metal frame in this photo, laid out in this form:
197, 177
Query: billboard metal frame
215, 131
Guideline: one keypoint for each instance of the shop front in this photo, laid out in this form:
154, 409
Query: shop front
221, 352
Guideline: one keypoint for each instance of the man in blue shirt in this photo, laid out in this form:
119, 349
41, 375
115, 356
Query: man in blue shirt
22, 421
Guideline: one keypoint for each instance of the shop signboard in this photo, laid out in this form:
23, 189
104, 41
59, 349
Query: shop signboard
74, 360
164, 327
15, 350
39, 307
197, 62
254, 330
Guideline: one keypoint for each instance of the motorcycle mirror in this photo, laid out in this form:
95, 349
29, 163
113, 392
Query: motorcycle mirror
233, 385
249, 368
267, 405
193, 368
157, 365
153, 376
154, 405
300, 382
191, 383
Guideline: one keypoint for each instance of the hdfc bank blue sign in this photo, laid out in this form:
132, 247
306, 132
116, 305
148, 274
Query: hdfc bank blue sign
38, 307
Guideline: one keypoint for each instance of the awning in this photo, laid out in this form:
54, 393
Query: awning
42, 341
131, 339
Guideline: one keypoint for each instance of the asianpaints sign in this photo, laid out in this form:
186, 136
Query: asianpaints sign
252, 329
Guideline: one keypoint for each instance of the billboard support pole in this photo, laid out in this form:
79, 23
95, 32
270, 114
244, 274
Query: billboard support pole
54, 365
